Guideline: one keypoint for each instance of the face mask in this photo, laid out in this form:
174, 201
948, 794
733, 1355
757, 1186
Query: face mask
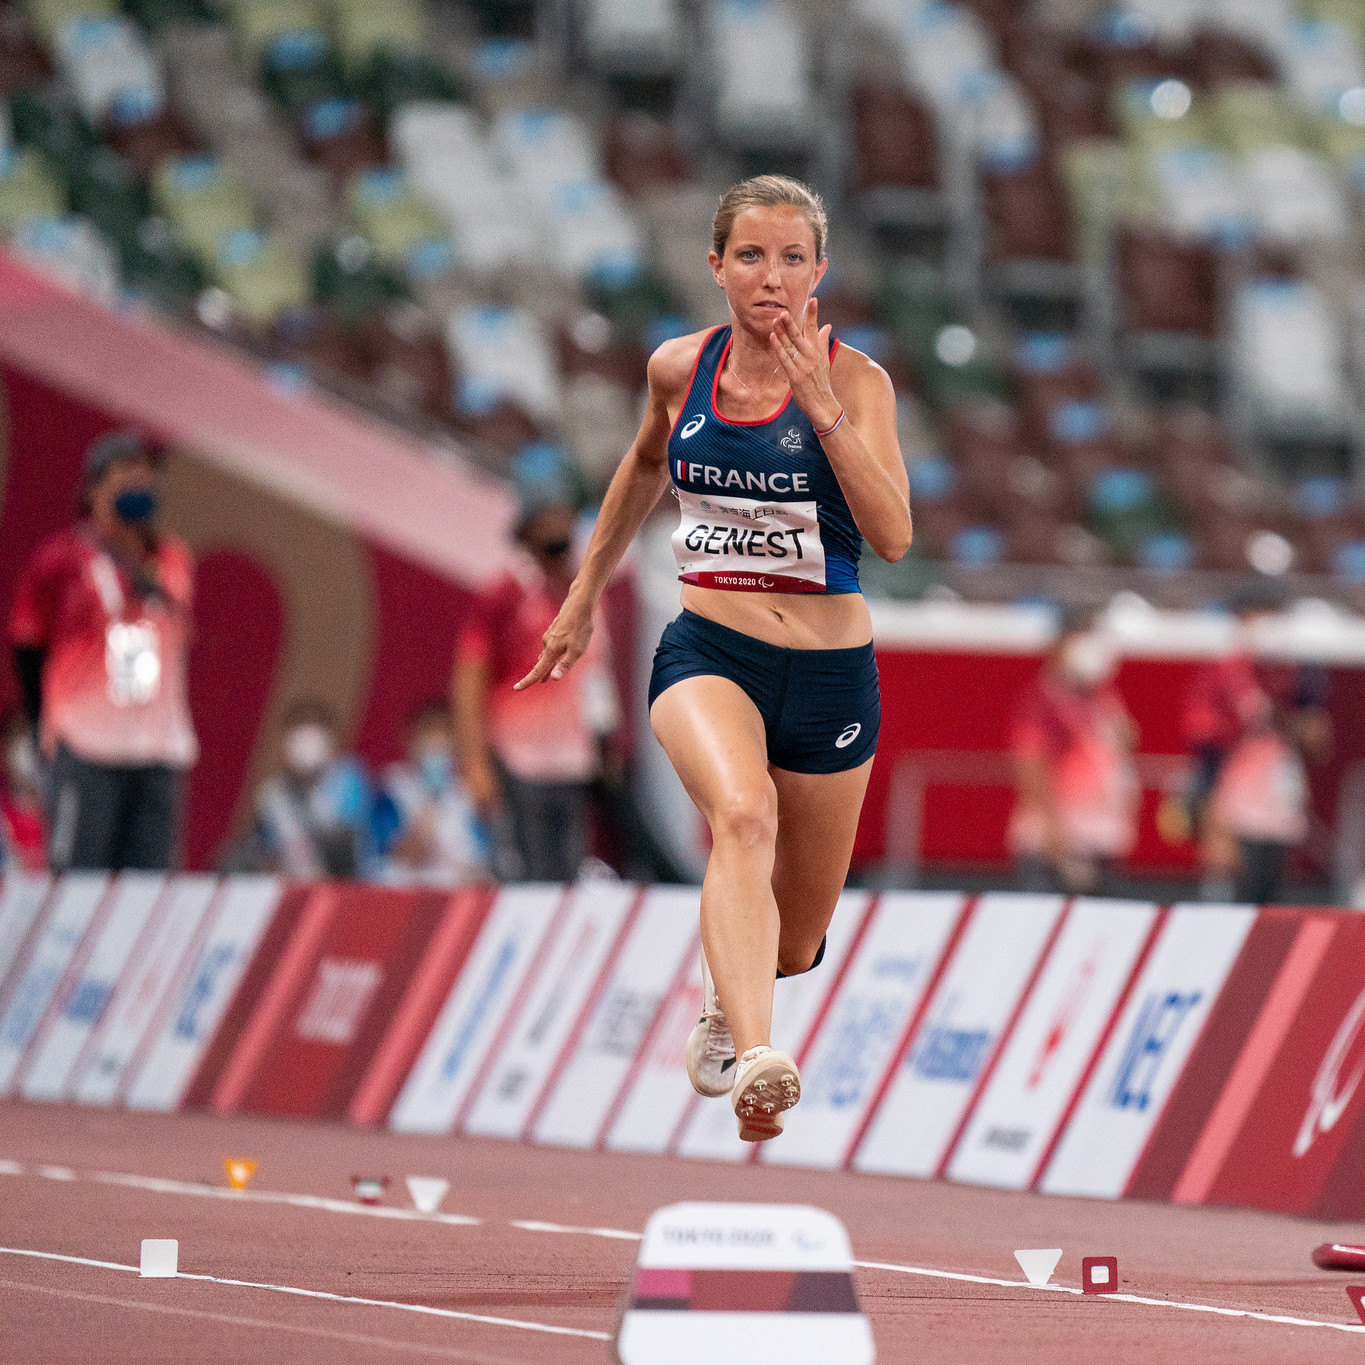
1089, 660
22, 762
135, 504
307, 749
434, 765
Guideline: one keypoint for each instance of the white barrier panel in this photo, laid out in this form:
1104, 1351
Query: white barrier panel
55, 1049
66, 917
21, 897
240, 918
732, 1283
657, 1094
586, 1096
963, 1028
798, 1006
1053, 1043
861, 1036
141, 994
568, 983
470, 1023
1148, 1050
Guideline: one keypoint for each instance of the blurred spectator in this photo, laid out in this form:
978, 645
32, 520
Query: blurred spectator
426, 826
1076, 789
101, 627
314, 818
1250, 729
23, 830
533, 754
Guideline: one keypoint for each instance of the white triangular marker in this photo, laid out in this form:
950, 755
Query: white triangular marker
1038, 1265
427, 1191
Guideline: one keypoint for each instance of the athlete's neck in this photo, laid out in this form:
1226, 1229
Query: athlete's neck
751, 361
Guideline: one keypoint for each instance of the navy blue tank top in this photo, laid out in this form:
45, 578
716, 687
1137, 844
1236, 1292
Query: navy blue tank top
762, 510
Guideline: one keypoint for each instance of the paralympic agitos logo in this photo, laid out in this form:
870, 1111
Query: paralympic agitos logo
1331, 1097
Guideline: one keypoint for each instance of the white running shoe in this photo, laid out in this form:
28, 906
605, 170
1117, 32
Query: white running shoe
710, 1049
766, 1085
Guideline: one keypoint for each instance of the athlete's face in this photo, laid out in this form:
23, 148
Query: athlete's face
769, 267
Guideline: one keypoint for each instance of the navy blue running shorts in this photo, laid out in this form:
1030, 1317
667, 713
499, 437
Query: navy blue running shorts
821, 708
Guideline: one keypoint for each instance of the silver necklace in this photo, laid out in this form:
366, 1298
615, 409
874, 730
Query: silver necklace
734, 370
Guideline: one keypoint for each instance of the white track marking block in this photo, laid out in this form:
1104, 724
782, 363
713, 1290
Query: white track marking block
1038, 1265
160, 1258
427, 1191
713, 1279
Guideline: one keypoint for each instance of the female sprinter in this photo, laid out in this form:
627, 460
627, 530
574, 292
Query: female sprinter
782, 450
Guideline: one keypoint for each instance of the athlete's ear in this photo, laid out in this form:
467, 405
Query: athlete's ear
717, 268
819, 274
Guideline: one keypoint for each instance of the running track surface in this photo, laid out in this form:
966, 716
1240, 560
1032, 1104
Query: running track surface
91, 1184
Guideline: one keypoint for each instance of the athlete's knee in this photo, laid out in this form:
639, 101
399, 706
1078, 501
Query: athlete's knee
801, 956
746, 818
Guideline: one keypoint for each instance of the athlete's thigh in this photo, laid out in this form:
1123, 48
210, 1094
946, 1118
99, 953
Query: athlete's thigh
817, 820
713, 735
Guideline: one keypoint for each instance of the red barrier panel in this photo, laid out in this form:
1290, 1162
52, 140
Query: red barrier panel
334, 991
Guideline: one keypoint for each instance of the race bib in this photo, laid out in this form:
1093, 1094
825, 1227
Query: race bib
749, 546
132, 660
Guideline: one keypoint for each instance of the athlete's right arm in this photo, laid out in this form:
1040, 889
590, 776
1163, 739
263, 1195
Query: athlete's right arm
635, 488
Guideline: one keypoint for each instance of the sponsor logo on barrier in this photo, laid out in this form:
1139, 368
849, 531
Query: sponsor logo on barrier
950, 1054
341, 994
1065, 1016
213, 966
1149, 1041
1049, 1054
859, 1044
488, 992
1147, 1052
1337, 1080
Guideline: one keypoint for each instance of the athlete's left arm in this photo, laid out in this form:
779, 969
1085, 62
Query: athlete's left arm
863, 449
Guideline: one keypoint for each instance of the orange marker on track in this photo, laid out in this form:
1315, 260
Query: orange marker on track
239, 1171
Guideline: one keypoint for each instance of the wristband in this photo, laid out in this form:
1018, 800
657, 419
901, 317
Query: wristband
829, 431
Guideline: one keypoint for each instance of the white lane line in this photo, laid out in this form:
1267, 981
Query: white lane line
268, 1324
56, 1172
619, 1234
10, 1168
616, 1234
302, 1201
1118, 1298
419, 1308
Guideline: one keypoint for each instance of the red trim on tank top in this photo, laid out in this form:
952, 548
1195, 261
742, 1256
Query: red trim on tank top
715, 389
692, 379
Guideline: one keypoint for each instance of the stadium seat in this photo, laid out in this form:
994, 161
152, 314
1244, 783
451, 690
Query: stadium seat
764, 98
634, 37
261, 274
203, 200
111, 69
70, 249
504, 353
23, 64
406, 231
362, 29
1287, 349
27, 190
639, 154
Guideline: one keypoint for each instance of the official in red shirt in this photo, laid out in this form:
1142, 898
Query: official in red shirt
1076, 788
100, 627
532, 756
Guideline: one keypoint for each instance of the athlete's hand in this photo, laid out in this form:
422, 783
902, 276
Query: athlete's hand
565, 642
803, 351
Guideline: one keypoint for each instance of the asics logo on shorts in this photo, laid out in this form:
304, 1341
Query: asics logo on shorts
694, 426
849, 735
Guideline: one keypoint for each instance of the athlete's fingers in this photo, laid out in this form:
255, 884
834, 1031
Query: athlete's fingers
812, 318
824, 338
567, 659
549, 657
786, 357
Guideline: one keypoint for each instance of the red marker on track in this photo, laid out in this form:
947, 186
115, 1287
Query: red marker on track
1339, 1256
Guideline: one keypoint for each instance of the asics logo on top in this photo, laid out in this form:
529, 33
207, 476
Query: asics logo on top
792, 441
849, 735
694, 426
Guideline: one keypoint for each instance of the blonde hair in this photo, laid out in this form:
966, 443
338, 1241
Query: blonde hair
769, 192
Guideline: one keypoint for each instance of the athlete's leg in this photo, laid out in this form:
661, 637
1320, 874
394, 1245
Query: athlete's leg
817, 819
714, 736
